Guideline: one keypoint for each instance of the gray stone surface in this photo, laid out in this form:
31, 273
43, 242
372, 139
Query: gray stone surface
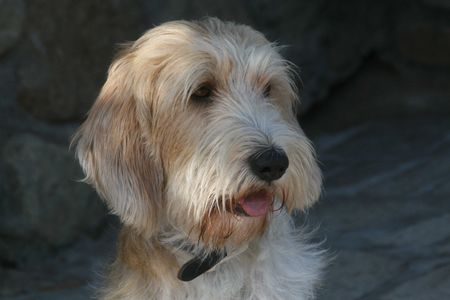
430, 286
385, 212
43, 202
425, 43
438, 3
355, 273
70, 273
79, 293
382, 90
65, 52
12, 15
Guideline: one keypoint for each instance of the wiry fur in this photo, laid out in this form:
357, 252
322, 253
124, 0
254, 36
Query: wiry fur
172, 168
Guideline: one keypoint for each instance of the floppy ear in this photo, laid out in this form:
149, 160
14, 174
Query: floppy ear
115, 156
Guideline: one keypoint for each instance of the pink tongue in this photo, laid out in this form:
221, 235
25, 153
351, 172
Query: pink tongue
256, 204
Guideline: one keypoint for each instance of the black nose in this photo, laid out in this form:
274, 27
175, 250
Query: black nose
269, 164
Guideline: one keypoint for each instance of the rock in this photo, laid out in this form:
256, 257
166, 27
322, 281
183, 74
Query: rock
67, 48
12, 16
438, 3
8, 84
375, 167
385, 207
381, 90
434, 285
64, 273
327, 40
44, 204
425, 43
67, 293
417, 237
351, 275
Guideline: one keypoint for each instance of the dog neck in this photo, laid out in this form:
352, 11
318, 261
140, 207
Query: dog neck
198, 259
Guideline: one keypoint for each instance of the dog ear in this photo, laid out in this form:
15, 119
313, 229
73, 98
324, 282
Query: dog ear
116, 157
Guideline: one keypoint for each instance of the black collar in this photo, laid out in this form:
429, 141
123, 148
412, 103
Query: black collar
200, 264
203, 259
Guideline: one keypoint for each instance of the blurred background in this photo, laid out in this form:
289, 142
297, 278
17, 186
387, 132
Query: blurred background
376, 103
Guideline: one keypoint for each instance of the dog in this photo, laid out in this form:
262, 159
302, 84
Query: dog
194, 143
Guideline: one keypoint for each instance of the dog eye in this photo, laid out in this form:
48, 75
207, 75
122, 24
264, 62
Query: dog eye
267, 90
202, 94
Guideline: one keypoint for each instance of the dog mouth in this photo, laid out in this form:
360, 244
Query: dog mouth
255, 204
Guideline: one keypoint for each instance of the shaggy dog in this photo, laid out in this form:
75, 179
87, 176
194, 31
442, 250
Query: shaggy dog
193, 142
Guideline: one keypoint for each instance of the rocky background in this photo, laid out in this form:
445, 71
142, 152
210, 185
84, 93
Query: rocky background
376, 102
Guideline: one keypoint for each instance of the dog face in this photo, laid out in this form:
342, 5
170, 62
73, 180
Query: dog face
195, 129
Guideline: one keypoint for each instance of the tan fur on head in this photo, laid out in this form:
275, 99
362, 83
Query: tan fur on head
149, 150
116, 156
169, 161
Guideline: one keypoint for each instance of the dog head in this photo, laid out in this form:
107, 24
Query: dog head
195, 129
